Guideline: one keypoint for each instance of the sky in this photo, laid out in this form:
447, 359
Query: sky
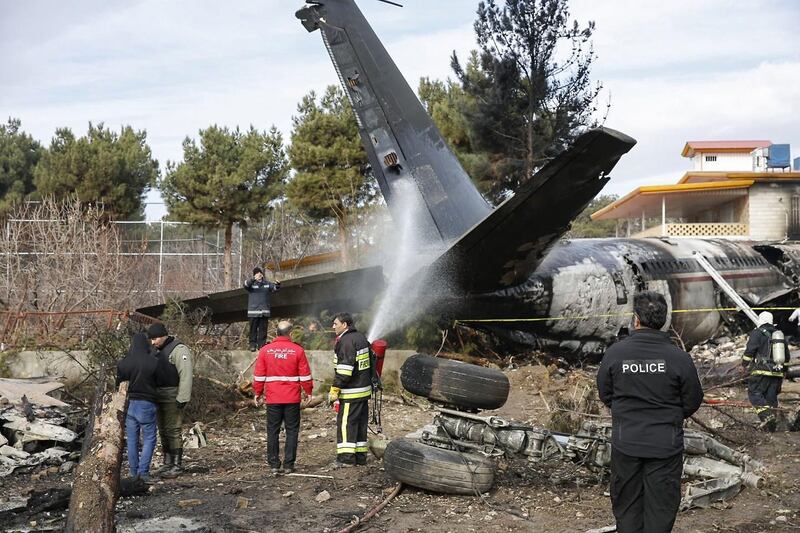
673, 71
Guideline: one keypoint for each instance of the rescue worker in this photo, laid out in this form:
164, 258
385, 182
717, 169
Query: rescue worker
651, 386
764, 376
139, 368
258, 310
174, 392
282, 375
352, 386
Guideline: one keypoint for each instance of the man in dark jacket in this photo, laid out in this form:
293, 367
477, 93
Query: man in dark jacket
282, 374
173, 393
352, 386
765, 377
258, 311
139, 367
651, 386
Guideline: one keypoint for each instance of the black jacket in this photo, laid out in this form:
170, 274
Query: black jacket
258, 296
651, 386
352, 369
140, 368
758, 353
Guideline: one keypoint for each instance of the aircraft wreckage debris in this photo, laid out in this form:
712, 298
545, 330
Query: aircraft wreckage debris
463, 444
35, 428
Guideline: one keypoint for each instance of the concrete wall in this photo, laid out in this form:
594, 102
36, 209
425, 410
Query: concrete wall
31, 364
768, 209
726, 161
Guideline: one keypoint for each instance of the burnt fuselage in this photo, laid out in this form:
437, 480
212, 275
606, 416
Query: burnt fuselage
581, 296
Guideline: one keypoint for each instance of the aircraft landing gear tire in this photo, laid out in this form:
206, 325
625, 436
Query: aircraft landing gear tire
454, 383
438, 470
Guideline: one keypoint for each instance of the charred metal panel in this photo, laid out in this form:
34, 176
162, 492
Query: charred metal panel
785, 257
392, 120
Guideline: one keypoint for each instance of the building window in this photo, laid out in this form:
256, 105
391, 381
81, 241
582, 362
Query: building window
710, 158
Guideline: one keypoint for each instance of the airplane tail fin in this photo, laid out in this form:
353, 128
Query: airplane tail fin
507, 246
401, 140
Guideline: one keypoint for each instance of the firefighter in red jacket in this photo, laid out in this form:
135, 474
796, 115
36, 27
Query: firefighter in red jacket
282, 374
352, 386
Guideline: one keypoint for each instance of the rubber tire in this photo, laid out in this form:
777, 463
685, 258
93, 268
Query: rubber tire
454, 383
436, 469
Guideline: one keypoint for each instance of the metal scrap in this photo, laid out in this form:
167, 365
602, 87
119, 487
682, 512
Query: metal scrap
723, 470
32, 425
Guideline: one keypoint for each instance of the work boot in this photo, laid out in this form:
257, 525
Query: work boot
769, 425
177, 466
169, 462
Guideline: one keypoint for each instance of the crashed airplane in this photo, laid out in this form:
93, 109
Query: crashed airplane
505, 269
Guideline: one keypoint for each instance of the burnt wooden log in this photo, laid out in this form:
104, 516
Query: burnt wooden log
94, 412
96, 484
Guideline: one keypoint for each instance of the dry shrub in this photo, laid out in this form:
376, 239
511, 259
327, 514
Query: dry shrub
571, 405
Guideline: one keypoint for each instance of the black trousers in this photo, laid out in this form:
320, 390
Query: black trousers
762, 391
645, 493
351, 432
288, 415
258, 331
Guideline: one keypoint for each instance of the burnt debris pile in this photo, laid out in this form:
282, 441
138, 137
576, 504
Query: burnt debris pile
37, 429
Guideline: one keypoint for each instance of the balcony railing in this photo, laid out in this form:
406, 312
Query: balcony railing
698, 229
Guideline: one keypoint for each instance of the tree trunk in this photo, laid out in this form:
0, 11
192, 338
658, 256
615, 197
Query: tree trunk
227, 260
344, 250
96, 484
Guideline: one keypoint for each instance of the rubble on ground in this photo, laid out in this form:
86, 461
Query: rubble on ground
36, 429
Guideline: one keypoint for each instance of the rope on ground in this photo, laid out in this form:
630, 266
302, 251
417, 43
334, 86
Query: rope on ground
375, 510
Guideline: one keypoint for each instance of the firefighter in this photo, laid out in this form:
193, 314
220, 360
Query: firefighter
352, 387
282, 374
651, 386
764, 358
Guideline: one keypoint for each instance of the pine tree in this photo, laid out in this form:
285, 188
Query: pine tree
104, 167
528, 97
332, 180
229, 178
19, 154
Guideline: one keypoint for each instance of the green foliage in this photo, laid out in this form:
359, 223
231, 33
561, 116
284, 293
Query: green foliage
230, 178
526, 98
444, 102
332, 179
104, 167
584, 227
19, 154
106, 347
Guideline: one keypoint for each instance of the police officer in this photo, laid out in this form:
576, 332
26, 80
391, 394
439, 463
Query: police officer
651, 386
174, 391
352, 386
258, 308
765, 376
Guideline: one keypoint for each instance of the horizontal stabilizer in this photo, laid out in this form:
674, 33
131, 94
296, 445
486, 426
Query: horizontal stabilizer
506, 247
308, 296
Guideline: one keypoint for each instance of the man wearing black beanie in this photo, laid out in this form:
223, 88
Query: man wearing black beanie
173, 393
258, 312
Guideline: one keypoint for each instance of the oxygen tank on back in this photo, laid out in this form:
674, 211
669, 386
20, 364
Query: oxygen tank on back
778, 347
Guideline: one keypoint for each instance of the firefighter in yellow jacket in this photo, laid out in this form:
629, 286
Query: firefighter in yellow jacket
352, 386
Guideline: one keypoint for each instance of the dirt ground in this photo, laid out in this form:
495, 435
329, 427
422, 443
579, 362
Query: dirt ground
227, 486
